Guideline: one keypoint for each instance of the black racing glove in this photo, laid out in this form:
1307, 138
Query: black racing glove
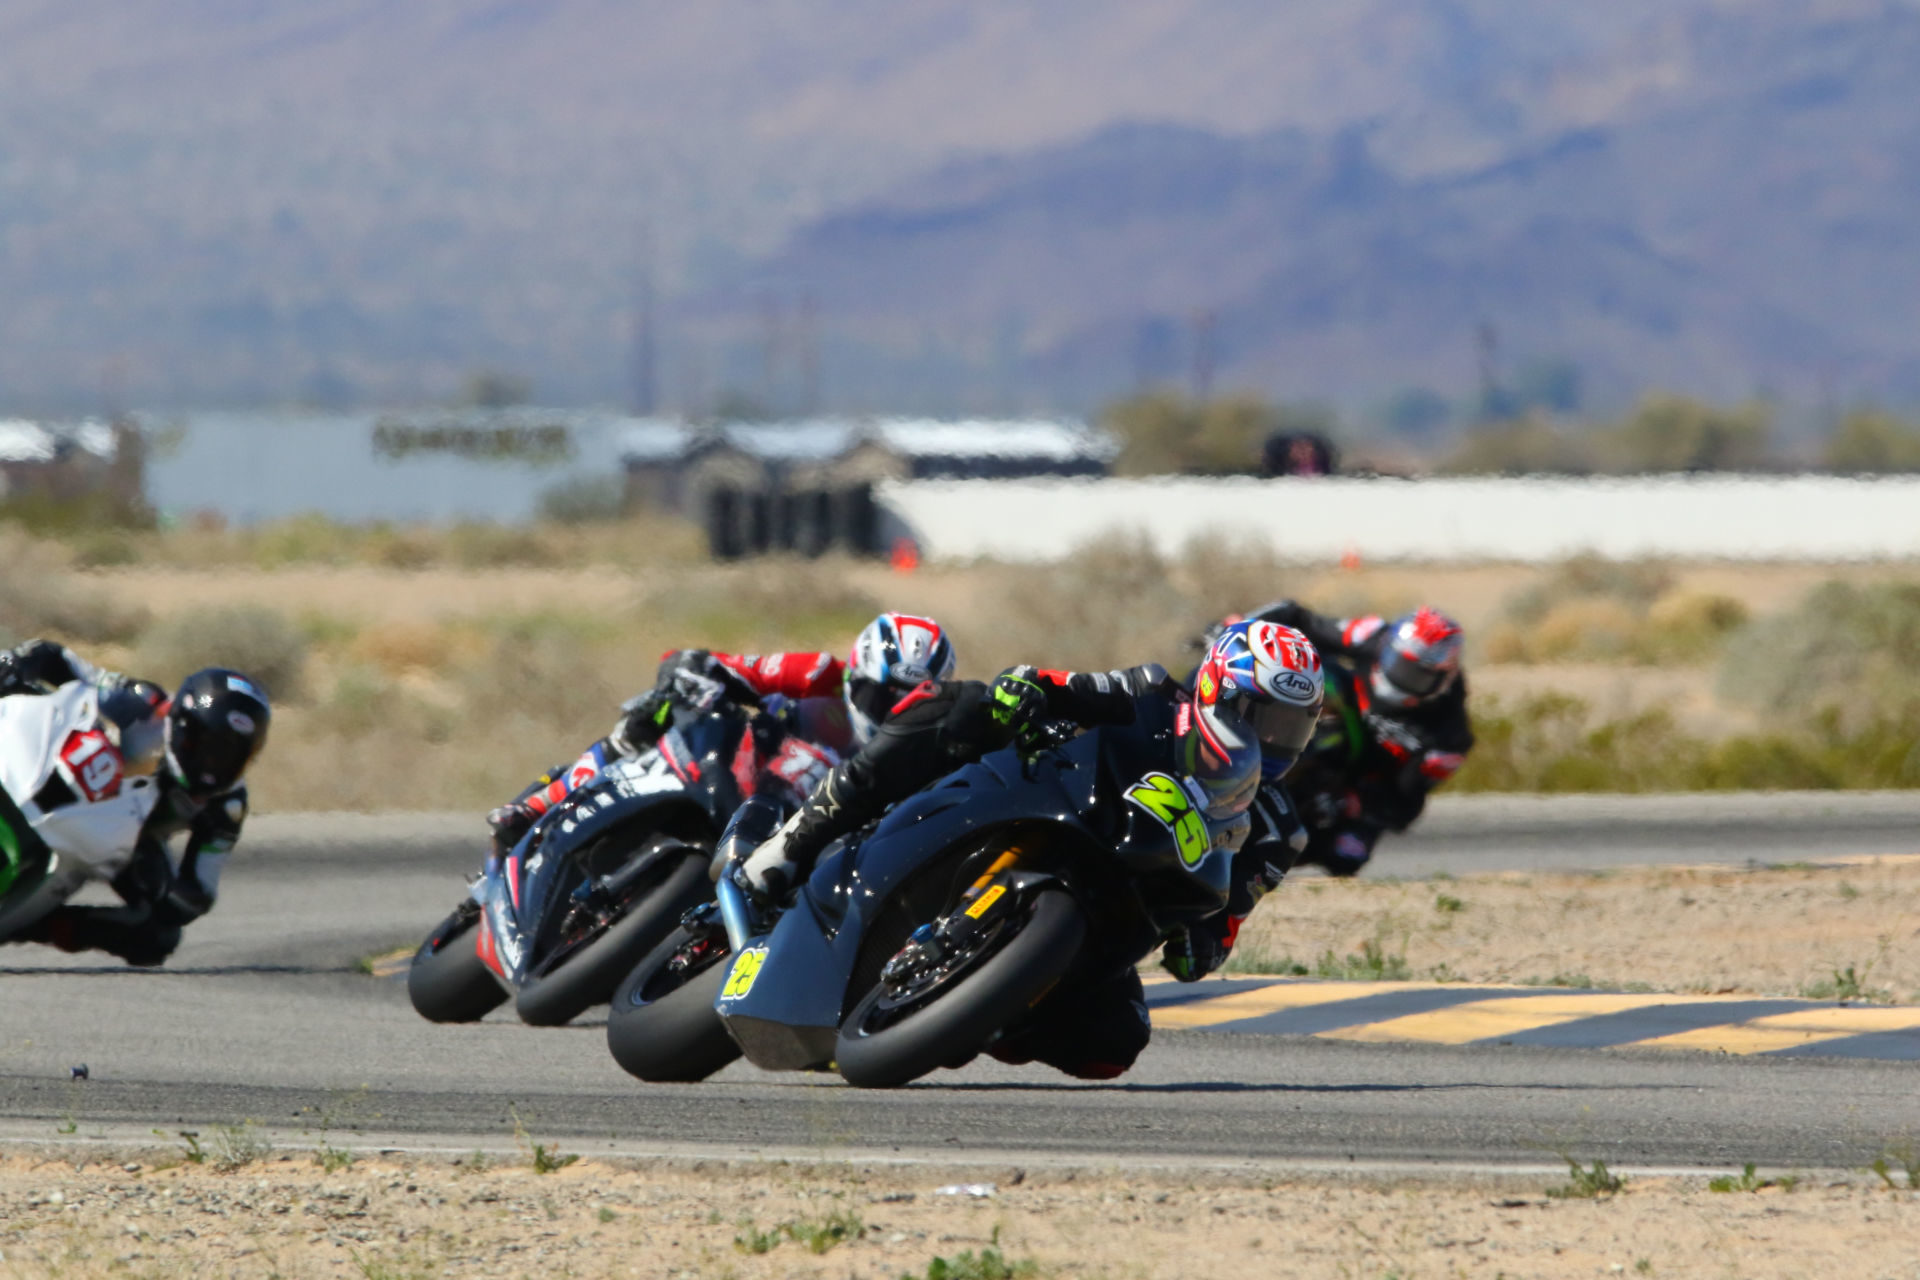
1191, 954
1019, 704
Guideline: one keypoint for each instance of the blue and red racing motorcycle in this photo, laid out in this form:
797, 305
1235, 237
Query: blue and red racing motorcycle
600, 878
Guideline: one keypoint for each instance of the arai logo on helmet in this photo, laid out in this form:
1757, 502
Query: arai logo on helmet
1293, 686
241, 722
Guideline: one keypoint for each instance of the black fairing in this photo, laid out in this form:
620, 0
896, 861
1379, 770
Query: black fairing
1066, 809
688, 789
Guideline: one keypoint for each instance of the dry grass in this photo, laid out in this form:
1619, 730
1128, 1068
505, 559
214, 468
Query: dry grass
388, 1220
1781, 931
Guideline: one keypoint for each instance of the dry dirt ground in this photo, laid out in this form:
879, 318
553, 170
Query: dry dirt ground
1790, 930
391, 1218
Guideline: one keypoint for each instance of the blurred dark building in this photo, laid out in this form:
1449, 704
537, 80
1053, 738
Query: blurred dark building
1298, 453
88, 461
808, 487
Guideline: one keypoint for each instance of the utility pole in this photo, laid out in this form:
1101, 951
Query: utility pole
1203, 355
645, 354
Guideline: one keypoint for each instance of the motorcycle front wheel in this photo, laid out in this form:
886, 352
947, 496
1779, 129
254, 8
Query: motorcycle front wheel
588, 975
447, 982
892, 1037
662, 1025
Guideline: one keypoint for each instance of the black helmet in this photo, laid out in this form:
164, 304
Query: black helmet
217, 722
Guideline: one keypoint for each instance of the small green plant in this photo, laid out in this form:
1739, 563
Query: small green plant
1587, 1184
1847, 892
988, 1264
544, 1157
1373, 963
1643, 1265
1846, 985
818, 1234
195, 1153
606, 1214
332, 1159
1447, 904
1902, 1159
1579, 980
235, 1146
1747, 1181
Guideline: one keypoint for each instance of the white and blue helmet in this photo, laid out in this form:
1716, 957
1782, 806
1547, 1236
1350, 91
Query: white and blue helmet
894, 654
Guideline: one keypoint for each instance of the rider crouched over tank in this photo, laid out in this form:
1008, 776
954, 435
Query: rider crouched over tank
1396, 727
818, 707
197, 744
1261, 693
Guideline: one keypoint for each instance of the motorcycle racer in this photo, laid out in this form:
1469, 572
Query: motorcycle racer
1400, 687
1259, 694
199, 743
821, 707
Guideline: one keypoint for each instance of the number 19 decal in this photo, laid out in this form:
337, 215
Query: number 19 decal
745, 970
1167, 800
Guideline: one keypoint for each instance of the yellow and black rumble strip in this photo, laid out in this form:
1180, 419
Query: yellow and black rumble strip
1452, 1013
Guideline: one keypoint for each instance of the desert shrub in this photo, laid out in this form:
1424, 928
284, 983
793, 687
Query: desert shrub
1689, 626
40, 595
389, 547
1107, 605
1635, 583
1530, 446
1664, 433
1550, 743
1674, 433
480, 545
585, 500
768, 607
1845, 648
1162, 432
1871, 441
262, 643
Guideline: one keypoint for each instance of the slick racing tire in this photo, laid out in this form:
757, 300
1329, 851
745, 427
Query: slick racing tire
662, 1025
884, 1043
447, 982
588, 976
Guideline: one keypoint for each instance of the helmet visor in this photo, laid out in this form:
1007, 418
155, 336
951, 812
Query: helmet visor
209, 761
871, 698
1411, 676
1223, 757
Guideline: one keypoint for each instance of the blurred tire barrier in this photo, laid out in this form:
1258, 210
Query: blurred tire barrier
808, 522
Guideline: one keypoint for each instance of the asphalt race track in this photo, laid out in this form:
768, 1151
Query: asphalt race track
263, 1016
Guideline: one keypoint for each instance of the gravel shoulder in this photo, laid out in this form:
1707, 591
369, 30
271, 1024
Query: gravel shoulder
149, 1213
1840, 928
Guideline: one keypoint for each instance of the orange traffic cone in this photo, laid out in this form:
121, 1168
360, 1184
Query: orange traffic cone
906, 555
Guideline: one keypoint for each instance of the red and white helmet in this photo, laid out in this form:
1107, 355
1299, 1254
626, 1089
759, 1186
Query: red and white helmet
895, 653
1420, 659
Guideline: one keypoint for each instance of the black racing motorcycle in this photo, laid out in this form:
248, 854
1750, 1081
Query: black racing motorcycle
913, 946
596, 881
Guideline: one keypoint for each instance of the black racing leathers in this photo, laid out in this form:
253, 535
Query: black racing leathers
1092, 1030
160, 896
941, 726
1393, 755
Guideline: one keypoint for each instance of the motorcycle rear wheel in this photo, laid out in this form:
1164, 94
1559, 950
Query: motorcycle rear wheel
873, 1052
662, 1025
447, 982
588, 977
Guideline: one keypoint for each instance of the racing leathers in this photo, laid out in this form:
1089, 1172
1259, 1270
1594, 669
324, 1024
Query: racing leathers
1374, 778
798, 692
1090, 1030
160, 895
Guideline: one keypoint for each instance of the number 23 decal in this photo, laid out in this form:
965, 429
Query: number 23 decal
1167, 800
745, 970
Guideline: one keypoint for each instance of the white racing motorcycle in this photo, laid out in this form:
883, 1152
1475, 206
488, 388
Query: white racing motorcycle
76, 787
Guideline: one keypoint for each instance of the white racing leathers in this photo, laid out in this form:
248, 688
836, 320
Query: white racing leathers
63, 768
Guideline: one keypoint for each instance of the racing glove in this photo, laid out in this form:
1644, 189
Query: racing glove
1191, 954
1018, 704
643, 718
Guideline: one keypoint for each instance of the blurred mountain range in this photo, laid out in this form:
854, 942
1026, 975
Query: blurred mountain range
955, 204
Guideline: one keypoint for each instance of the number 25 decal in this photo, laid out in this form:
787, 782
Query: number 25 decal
1167, 800
745, 970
